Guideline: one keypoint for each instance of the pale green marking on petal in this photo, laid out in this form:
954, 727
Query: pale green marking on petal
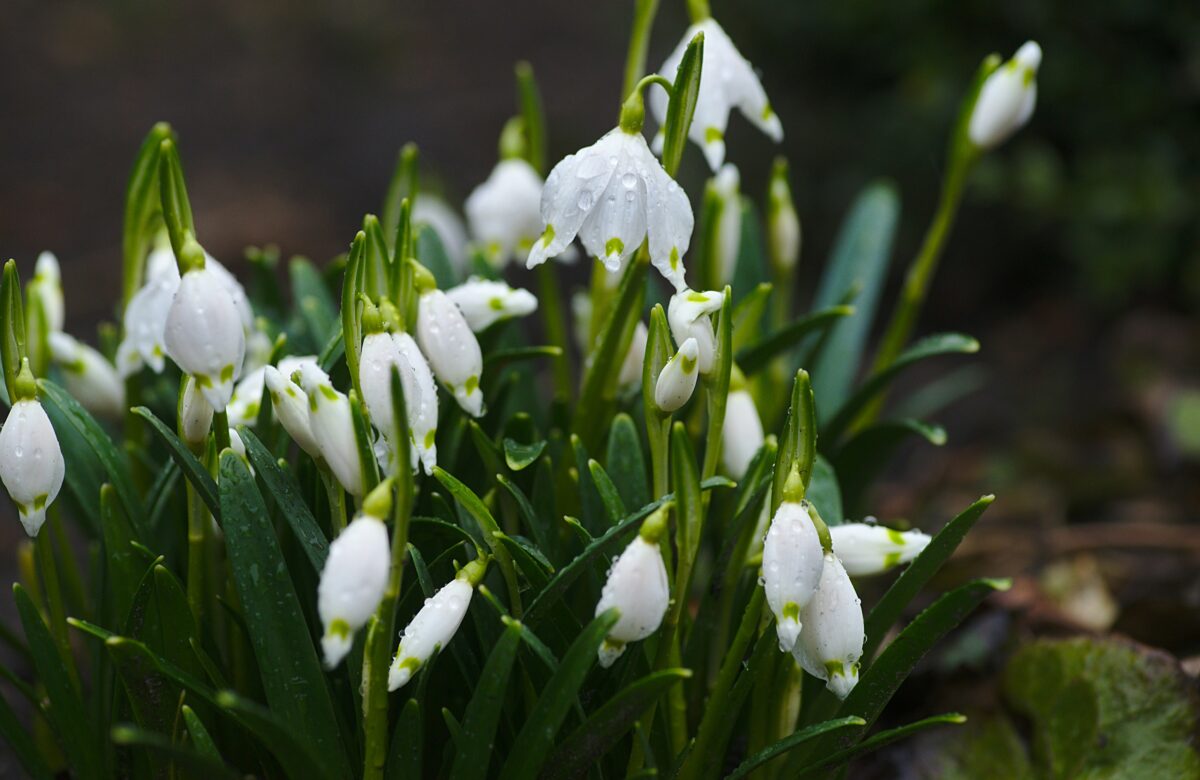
674, 258
472, 384
713, 135
614, 246
895, 537
496, 304
791, 611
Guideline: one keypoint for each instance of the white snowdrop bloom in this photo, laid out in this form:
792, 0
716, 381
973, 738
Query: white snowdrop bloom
145, 318
234, 289
783, 223
205, 335
677, 381
613, 194
434, 625
504, 213
89, 377
258, 349
421, 403
866, 548
447, 342
635, 356
332, 426
195, 415
434, 213
352, 584
832, 641
244, 406
688, 315
728, 235
1007, 98
484, 302
791, 568
375, 363
637, 586
31, 461
381, 353
46, 286
727, 81
290, 405
741, 433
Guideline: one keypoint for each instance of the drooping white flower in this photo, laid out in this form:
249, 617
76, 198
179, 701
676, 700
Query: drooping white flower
352, 584
741, 433
195, 415
89, 377
728, 234
866, 548
1007, 98
831, 644
247, 398
46, 286
484, 302
613, 194
205, 335
791, 568
727, 81
637, 586
31, 461
688, 315
381, 353
258, 349
290, 404
451, 348
433, 212
434, 625
677, 381
783, 223
422, 403
635, 356
332, 426
504, 212
378, 358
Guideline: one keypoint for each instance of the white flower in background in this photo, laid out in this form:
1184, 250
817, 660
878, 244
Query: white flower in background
485, 302
244, 406
422, 404
289, 402
258, 348
741, 433
783, 223
504, 212
866, 548
332, 426
1007, 98
352, 582
195, 415
451, 348
433, 212
791, 568
145, 317
677, 381
688, 315
89, 377
635, 356
46, 286
205, 335
831, 644
728, 234
637, 586
31, 461
727, 81
613, 194
435, 625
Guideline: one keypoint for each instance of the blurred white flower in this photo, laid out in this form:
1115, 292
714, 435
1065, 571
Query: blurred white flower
244, 406
791, 568
677, 381
89, 377
783, 223
866, 548
485, 302
688, 314
635, 356
434, 213
31, 461
332, 426
352, 584
728, 233
1007, 98
831, 644
504, 212
741, 433
46, 286
453, 352
435, 625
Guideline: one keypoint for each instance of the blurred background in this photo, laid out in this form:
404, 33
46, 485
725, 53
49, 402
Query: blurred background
1075, 260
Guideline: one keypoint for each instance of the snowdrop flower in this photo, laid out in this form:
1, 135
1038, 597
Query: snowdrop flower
289, 403
613, 194
637, 587
435, 625
46, 286
688, 315
247, 398
1006, 99
504, 212
866, 548
635, 356
89, 376
195, 415
741, 433
728, 235
726, 80
379, 356
832, 642
31, 461
332, 426
783, 224
484, 302
447, 341
432, 212
258, 349
421, 403
677, 381
355, 576
145, 317
791, 564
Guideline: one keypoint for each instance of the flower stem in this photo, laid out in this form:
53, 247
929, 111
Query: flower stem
556, 329
221, 430
197, 520
43, 546
698, 10
337, 501
639, 43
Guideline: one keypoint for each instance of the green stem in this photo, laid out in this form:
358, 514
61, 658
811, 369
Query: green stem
221, 430
337, 501
698, 10
639, 43
556, 329
197, 520
48, 567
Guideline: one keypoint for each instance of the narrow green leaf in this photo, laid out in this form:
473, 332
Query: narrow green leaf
122, 564
613, 505
752, 358
191, 468
197, 764
520, 456
879, 740
685, 478
747, 314
789, 742
351, 307
483, 713
864, 456
658, 424
152, 696
404, 757
314, 303
403, 185
498, 358
539, 525
530, 99
286, 493
176, 208
625, 463
298, 756
529, 560
682, 106
143, 208
21, 744
798, 444
202, 741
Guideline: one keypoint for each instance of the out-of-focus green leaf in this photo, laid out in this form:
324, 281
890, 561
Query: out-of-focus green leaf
179, 756
682, 105
863, 457
121, 562
153, 697
314, 303
825, 494
877, 741
752, 358
404, 758
613, 505
483, 713
789, 742
202, 741
530, 99
520, 456
432, 254
625, 464
298, 756
21, 744
498, 358
539, 524
286, 493
191, 468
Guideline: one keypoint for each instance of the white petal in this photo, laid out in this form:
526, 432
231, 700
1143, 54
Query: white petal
379, 356
47, 286
204, 334
432, 211
616, 226
572, 190
791, 566
89, 376
484, 302
669, 225
831, 644
332, 425
504, 212
742, 433
247, 399
422, 404
637, 587
195, 415
688, 315
866, 549
451, 348
31, 462
677, 381
1006, 99
432, 628
290, 405
729, 224
352, 584
631, 366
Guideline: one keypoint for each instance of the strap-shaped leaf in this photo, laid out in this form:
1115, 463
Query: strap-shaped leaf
625, 463
286, 493
153, 697
180, 756
789, 742
878, 741
682, 105
824, 492
314, 303
351, 307
191, 468
21, 744
613, 505
868, 451
756, 356
201, 740
122, 564
143, 208
404, 756
530, 100
483, 713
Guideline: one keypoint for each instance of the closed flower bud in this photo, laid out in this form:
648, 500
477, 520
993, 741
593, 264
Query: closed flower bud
332, 426
448, 343
435, 625
637, 587
505, 211
728, 234
31, 462
832, 641
421, 403
677, 381
866, 548
741, 433
783, 223
1007, 98
484, 302
195, 415
205, 334
352, 584
290, 404
791, 568
89, 377
46, 286
688, 315
635, 356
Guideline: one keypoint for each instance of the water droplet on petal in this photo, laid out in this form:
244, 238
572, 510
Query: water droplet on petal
585, 200
629, 180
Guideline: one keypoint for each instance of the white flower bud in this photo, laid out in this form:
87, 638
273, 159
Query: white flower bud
352, 584
380, 353
247, 398
783, 223
290, 404
31, 462
677, 381
484, 302
1007, 98
451, 348
434, 626
728, 232
46, 286
205, 334
89, 377
332, 425
637, 587
791, 565
420, 400
832, 641
741, 434
505, 211
635, 357
688, 315
195, 415
866, 548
